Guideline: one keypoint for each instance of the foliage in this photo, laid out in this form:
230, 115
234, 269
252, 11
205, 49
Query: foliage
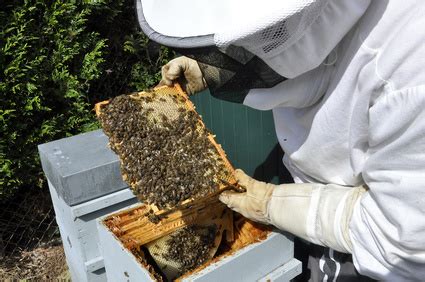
57, 58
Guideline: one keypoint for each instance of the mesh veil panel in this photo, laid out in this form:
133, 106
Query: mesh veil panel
231, 75
281, 29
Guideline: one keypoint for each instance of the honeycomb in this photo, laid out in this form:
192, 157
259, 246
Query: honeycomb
171, 162
167, 154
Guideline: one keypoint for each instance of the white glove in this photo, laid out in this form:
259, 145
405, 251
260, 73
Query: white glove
187, 71
315, 212
253, 203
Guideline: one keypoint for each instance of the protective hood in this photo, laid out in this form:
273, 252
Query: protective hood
287, 37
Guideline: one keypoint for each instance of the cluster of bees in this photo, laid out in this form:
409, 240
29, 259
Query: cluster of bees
165, 160
190, 246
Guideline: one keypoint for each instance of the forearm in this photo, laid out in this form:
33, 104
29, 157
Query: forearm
315, 212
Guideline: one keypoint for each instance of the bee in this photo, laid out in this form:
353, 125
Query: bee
164, 118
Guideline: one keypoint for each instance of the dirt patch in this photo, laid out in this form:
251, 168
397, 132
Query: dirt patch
30, 246
43, 263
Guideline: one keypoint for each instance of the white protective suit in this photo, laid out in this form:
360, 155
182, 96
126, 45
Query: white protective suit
350, 118
358, 118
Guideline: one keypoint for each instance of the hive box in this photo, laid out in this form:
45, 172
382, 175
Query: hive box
85, 183
81, 167
267, 259
77, 226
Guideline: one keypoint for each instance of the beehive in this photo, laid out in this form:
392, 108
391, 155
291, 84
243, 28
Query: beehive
253, 243
139, 126
136, 229
85, 183
83, 165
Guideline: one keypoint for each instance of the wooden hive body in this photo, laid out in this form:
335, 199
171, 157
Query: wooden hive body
247, 234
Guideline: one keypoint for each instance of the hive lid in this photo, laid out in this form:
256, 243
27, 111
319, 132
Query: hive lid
81, 167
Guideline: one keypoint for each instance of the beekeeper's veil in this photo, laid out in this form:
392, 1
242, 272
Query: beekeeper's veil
242, 45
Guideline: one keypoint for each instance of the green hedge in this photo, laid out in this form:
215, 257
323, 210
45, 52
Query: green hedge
57, 59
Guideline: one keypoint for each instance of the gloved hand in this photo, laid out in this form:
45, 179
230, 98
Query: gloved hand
253, 203
315, 212
187, 72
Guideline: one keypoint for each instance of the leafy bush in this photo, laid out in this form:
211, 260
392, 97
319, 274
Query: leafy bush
57, 59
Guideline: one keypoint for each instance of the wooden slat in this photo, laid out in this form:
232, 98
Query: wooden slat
135, 229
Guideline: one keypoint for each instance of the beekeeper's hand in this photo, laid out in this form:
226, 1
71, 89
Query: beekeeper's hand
186, 71
315, 212
253, 203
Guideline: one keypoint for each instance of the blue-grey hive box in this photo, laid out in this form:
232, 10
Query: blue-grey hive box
85, 183
270, 259
81, 167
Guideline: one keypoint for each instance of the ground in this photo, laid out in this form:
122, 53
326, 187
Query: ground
43, 263
30, 245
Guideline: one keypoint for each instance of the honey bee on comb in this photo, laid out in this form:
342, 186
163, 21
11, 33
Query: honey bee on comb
190, 246
166, 155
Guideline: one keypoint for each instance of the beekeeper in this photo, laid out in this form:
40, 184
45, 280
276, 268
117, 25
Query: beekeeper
346, 83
